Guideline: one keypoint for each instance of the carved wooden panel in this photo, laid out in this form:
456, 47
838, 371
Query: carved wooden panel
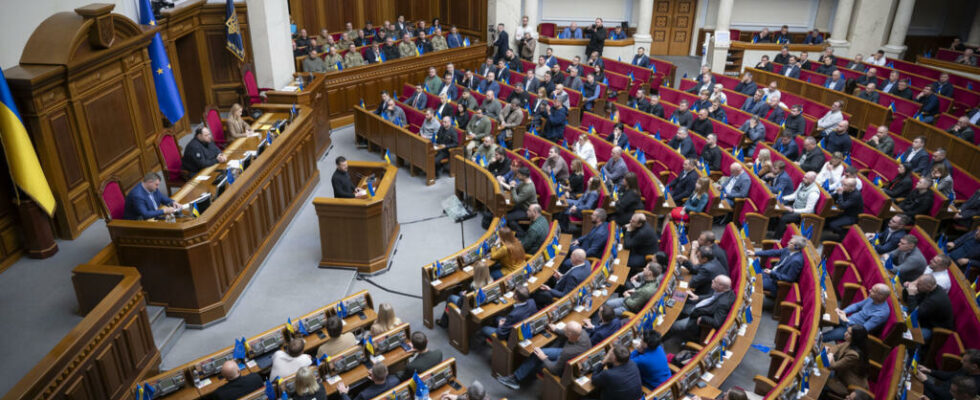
145, 113
110, 124
66, 148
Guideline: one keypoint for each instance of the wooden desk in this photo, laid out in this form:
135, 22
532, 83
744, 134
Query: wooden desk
314, 96
479, 184
434, 393
360, 232
403, 146
197, 267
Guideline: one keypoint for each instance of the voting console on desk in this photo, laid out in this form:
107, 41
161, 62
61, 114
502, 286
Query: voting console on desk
346, 360
165, 385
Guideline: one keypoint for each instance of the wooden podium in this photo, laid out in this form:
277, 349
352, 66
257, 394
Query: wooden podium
360, 233
314, 96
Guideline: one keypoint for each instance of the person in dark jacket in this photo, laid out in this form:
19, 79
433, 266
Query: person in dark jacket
917, 156
709, 310
965, 251
641, 240
787, 146
919, 200
702, 125
932, 303
618, 377
746, 86
812, 159
524, 307
502, 43
711, 153
930, 105
682, 116
381, 382
683, 185
629, 200
608, 324
655, 107
901, 185
704, 273
236, 385
887, 240
595, 240
838, 140
343, 188
938, 384
789, 266
849, 200
446, 139
795, 123
597, 37
422, 359
201, 152
682, 143
557, 118
146, 201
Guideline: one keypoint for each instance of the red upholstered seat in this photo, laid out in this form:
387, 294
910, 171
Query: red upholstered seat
170, 157
213, 119
886, 384
113, 199
253, 92
547, 29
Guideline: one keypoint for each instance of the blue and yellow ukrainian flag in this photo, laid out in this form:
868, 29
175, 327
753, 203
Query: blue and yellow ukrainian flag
233, 34
387, 156
168, 98
25, 169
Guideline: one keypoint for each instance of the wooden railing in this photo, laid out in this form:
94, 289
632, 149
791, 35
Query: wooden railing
105, 354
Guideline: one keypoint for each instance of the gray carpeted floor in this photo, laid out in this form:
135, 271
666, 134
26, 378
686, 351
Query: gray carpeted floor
288, 283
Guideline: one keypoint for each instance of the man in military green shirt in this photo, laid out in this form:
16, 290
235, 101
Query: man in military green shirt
345, 40
486, 150
407, 47
643, 286
353, 57
432, 82
438, 41
313, 62
333, 60
350, 31
466, 100
537, 231
478, 127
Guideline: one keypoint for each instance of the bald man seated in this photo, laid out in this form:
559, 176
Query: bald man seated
552, 358
709, 310
237, 385
871, 313
564, 282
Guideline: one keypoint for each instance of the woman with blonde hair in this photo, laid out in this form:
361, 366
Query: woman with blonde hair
763, 163
576, 179
237, 127
509, 256
481, 278
307, 388
386, 318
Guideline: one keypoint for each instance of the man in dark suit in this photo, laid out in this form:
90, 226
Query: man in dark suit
502, 43
343, 188
144, 201
869, 77
789, 266
381, 382
707, 239
683, 185
236, 385
787, 146
709, 310
870, 93
201, 152
932, 303
655, 107
795, 123
919, 201
902, 90
930, 105
848, 200
531, 82
446, 139
641, 59
593, 242
887, 240
704, 272
917, 156
618, 377
682, 116
423, 359
390, 50
746, 86
738, 184
857, 64
418, 100
565, 282
683, 144
943, 86
373, 55
836, 82
780, 183
469, 81
523, 309
812, 158
639, 101
783, 56
792, 69
641, 240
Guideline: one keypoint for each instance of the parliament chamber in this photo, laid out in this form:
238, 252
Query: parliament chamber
656, 199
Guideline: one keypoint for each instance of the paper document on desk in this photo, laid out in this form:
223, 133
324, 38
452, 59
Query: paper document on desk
290, 88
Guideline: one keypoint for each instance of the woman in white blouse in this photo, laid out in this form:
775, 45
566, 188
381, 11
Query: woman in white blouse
584, 150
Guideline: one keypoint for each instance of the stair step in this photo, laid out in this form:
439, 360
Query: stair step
155, 313
166, 332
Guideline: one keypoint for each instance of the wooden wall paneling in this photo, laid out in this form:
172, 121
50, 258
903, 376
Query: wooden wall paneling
223, 83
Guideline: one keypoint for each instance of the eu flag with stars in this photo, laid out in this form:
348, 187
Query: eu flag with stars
163, 75
233, 34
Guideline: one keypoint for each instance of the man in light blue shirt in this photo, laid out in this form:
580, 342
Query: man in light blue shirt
871, 313
571, 32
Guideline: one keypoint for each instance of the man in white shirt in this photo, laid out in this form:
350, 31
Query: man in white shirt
526, 27
939, 268
831, 118
803, 200
286, 363
772, 90
878, 59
